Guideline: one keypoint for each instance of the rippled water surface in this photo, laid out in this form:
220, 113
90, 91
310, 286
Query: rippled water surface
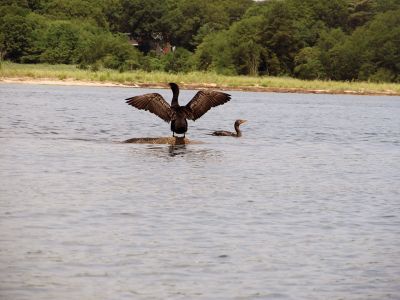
304, 206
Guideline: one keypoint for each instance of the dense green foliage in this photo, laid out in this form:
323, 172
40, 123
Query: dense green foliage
308, 39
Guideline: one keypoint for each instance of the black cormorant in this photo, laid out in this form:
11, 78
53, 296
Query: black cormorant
228, 133
175, 113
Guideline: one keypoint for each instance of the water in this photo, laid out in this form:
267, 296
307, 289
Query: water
304, 206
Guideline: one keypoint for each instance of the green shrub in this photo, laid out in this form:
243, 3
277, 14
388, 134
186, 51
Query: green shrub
177, 61
308, 65
95, 67
61, 40
383, 75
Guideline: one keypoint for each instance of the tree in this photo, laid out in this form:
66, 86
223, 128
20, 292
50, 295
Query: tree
381, 46
2, 46
333, 13
333, 39
16, 36
178, 60
360, 12
327, 41
101, 48
142, 18
308, 64
87, 10
245, 42
280, 36
190, 21
60, 41
215, 54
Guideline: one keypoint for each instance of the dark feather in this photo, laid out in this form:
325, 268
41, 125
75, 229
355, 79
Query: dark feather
154, 103
223, 133
203, 101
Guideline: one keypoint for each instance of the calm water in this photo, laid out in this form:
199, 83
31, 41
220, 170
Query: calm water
305, 206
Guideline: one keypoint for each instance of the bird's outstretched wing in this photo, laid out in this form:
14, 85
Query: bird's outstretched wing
154, 103
203, 101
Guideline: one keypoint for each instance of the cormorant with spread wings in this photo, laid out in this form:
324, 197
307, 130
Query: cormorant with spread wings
176, 114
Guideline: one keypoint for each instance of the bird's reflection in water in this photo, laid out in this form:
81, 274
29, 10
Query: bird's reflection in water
189, 152
175, 150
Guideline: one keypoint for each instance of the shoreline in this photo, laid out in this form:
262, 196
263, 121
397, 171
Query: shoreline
190, 86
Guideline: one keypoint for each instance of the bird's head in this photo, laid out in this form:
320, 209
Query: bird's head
238, 122
173, 85
174, 88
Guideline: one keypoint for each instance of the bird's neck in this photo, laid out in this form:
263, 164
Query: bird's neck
238, 132
175, 94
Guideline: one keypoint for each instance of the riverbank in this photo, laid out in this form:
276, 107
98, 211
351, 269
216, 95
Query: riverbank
71, 75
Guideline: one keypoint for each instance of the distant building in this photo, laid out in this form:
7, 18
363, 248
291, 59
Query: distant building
131, 40
155, 43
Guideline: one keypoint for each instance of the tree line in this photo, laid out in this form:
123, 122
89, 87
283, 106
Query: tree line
308, 39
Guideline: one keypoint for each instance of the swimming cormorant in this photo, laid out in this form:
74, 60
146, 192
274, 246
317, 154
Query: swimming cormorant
175, 113
228, 133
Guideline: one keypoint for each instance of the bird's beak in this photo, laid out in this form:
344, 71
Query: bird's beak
243, 121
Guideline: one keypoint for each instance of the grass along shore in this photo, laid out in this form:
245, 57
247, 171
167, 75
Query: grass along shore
70, 74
